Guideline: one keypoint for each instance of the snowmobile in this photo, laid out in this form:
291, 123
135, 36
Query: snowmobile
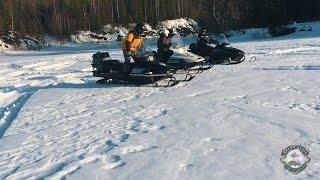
218, 51
145, 70
185, 61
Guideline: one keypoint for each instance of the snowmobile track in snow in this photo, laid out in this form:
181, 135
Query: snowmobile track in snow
11, 112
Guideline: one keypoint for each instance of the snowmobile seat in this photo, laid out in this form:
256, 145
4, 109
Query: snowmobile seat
194, 47
113, 65
98, 59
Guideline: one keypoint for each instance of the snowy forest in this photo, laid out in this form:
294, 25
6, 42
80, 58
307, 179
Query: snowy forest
63, 17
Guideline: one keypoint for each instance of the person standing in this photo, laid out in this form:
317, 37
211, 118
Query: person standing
130, 44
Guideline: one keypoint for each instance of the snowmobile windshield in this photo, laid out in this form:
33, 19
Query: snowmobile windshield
219, 39
144, 50
176, 42
144, 54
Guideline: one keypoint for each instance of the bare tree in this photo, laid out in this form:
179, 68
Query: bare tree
284, 8
179, 7
118, 13
158, 9
112, 11
145, 11
10, 5
216, 16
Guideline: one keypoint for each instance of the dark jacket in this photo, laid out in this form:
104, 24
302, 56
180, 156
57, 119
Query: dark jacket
163, 43
203, 39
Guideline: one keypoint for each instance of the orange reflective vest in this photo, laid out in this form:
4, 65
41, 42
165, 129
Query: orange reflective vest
133, 42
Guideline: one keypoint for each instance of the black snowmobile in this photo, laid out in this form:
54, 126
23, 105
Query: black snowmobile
145, 70
218, 51
185, 61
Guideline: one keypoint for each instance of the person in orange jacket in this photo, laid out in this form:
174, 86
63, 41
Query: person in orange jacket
130, 45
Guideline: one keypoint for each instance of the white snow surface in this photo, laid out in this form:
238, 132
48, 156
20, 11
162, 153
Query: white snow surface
4, 46
302, 31
179, 23
230, 122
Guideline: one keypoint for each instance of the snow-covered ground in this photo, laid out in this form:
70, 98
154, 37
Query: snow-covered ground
231, 122
302, 30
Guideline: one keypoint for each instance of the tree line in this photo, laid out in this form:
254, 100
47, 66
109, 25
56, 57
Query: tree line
64, 17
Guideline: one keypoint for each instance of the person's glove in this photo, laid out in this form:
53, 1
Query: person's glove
129, 54
207, 38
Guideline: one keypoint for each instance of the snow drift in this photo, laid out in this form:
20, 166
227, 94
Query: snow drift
14, 41
183, 26
293, 30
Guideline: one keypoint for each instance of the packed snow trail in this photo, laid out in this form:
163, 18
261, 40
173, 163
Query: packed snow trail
230, 121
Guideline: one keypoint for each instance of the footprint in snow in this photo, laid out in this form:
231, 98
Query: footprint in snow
124, 137
187, 167
317, 141
211, 140
136, 149
134, 125
210, 144
104, 148
111, 144
16, 66
113, 161
164, 112
151, 127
